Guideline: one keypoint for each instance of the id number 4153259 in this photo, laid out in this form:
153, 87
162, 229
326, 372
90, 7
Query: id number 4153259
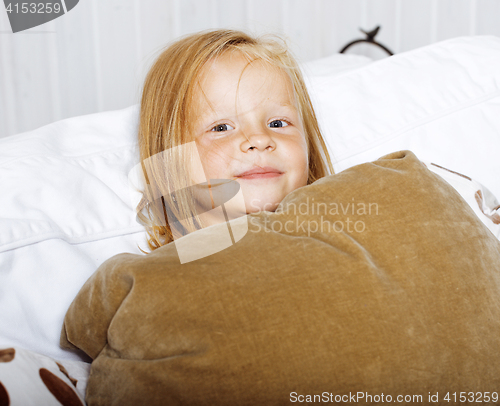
479, 397
34, 8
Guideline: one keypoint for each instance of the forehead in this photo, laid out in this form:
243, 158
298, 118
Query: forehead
233, 76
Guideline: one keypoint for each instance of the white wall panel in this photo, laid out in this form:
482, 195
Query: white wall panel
196, 15
453, 19
385, 13
305, 38
156, 22
54, 73
95, 57
27, 78
75, 62
340, 24
265, 15
416, 24
232, 14
488, 17
117, 53
7, 101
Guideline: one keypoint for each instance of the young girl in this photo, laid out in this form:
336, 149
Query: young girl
243, 103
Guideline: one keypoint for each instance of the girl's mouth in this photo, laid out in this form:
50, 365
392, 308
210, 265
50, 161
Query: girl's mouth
265, 175
258, 172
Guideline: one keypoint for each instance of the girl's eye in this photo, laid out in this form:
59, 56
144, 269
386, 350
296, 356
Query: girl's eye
222, 127
278, 123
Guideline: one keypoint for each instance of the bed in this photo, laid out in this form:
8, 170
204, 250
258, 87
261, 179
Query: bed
67, 207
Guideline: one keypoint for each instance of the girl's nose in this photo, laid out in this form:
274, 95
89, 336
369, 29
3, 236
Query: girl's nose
257, 139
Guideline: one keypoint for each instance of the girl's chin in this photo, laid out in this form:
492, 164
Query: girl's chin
258, 207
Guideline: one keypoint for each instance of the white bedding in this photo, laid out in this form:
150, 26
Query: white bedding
64, 211
65, 205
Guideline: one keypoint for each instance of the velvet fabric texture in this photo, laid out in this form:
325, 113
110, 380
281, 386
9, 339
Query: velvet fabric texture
400, 297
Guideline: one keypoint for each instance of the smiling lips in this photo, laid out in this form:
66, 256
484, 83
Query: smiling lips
258, 173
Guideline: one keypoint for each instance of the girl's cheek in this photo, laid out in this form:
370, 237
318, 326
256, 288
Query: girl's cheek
203, 141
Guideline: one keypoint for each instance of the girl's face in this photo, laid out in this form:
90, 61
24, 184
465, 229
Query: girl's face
246, 119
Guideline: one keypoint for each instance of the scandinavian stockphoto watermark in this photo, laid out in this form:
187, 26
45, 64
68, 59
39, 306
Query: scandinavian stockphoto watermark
24, 15
311, 216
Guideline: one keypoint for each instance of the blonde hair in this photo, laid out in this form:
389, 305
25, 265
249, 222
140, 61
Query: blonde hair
165, 110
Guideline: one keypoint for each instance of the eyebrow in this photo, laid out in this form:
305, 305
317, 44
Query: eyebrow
293, 106
289, 105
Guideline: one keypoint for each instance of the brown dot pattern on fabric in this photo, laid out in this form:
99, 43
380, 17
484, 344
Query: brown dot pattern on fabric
65, 372
60, 389
449, 170
495, 217
4, 396
7, 355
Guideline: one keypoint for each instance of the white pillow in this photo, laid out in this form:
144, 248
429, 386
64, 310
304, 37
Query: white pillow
65, 209
65, 203
441, 101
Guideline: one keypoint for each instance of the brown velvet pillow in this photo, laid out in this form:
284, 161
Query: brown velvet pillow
402, 297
